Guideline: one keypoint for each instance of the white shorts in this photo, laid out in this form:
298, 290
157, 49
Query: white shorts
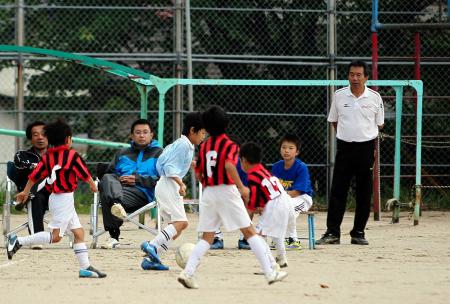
170, 202
62, 210
301, 203
222, 205
275, 216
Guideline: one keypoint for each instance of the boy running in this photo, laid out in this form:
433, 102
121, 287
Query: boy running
221, 203
294, 176
267, 197
172, 166
61, 167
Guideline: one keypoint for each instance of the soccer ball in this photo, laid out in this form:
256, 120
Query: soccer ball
182, 254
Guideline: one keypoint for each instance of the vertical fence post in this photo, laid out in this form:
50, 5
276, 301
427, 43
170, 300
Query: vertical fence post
20, 85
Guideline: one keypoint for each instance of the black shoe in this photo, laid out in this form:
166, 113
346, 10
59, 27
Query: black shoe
359, 241
328, 239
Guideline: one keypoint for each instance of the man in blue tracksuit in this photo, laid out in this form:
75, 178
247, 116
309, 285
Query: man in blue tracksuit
130, 180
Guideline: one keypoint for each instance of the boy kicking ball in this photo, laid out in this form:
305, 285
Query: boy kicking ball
221, 203
172, 165
61, 167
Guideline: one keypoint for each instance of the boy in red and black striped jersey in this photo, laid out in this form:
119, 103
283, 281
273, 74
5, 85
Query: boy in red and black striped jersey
221, 203
61, 167
268, 198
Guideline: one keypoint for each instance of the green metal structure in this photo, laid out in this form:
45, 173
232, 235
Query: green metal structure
145, 82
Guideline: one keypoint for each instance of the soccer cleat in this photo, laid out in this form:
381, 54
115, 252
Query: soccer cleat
275, 276
328, 239
148, 264
118, 211
151, 252
187, 281
243, 244
91, 272
292, 244
359, 241
282, 261
13, 246
217, 244
111, 243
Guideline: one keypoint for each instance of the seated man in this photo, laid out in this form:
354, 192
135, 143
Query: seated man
130, 180
39, 200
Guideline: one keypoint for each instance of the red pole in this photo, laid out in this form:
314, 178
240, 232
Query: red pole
376, 164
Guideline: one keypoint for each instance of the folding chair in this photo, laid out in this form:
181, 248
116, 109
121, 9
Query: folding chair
96, 232
11, 174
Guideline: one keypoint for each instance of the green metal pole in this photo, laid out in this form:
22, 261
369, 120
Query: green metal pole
418, 199
397, 161
143, 91
161, 118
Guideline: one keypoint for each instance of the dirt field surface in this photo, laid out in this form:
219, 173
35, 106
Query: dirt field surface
403, 263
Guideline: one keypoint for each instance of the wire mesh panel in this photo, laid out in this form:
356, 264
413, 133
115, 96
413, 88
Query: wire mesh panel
234, 39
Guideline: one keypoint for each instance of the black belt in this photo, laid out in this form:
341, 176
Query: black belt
355, 143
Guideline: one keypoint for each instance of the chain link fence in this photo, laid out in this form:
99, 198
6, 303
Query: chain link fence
229, 39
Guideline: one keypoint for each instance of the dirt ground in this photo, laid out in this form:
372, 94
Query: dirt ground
403, 263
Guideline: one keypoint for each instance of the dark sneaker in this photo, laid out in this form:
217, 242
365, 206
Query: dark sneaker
328, 239
243, 244
150, 250
91, 272
148, 264
359, 241
217, 244
13, 246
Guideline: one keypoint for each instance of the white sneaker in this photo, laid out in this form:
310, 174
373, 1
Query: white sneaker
275, 276
118, 211
36, 247
111, 243
187, 281
282, 261
275, 267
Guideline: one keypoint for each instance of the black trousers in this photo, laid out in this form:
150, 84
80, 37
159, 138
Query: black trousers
112, 191
39, 205
353, 159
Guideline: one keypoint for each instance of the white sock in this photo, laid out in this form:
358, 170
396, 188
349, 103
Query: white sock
194, 259
262, 253
279, 245
164, 237
81, 253
291, 230
43, 237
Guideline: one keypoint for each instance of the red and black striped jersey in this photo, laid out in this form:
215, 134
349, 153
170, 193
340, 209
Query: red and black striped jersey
62, 167
263, 187
212, 156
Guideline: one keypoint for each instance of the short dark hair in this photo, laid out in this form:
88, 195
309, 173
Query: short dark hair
31, 126
291, 138
359, 63
57, 132
140, 121
216, 120
252, 152
192, 120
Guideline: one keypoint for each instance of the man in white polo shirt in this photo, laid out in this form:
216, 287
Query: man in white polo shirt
357, 113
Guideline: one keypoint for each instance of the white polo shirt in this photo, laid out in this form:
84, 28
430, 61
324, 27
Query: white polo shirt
357, 118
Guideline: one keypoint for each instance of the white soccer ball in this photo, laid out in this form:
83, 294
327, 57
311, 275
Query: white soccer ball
182, 254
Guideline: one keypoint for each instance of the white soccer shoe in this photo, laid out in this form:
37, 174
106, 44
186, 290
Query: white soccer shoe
275, 276
187, 281
111, 243
281, 261
118, 211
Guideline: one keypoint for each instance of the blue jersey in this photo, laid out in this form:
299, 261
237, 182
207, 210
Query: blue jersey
294, 178
242, 174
